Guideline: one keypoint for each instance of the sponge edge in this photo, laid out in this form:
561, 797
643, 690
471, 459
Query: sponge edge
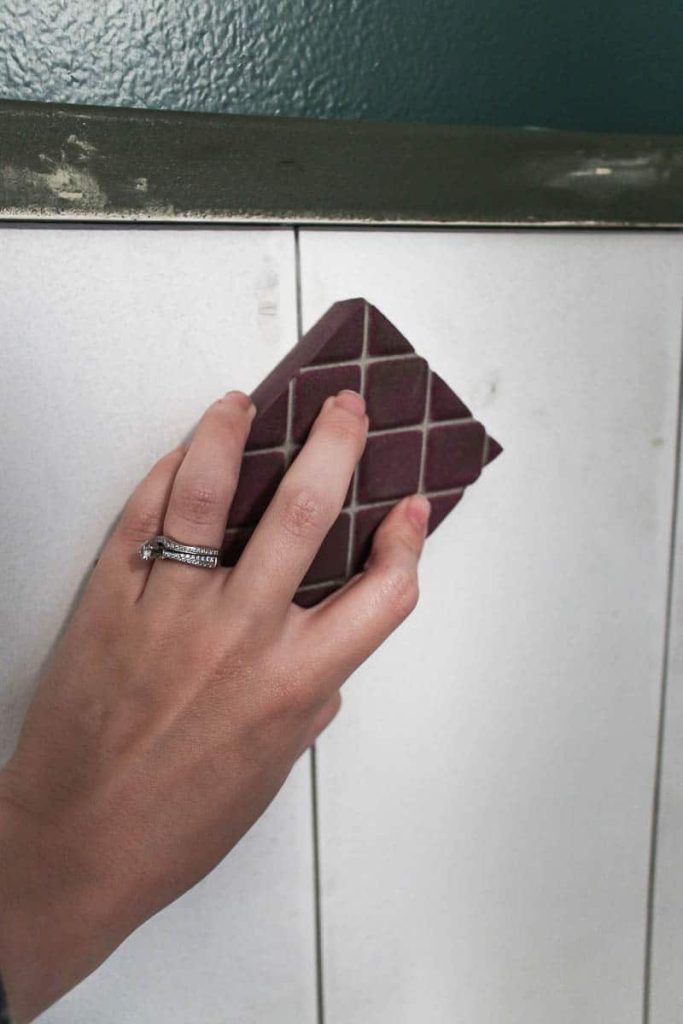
422, 437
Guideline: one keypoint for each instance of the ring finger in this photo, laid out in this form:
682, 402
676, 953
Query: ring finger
205, 483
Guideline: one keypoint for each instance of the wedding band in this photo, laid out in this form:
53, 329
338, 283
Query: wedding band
189, 554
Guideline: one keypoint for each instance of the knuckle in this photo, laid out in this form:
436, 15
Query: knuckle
302, 699
401, 591
304, 513
198, 503
138, 523
332, 707
290, 700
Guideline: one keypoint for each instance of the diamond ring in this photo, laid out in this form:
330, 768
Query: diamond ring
189, 554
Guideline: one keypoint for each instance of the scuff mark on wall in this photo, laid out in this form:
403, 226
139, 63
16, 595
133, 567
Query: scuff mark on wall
598, 172
65, 176
268, 300
62, 182
83, 149
637, 172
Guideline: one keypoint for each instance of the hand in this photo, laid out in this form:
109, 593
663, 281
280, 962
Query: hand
179, 698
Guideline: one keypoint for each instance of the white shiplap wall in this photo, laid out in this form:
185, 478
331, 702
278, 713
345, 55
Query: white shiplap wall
485, 796
113, 343
666, 977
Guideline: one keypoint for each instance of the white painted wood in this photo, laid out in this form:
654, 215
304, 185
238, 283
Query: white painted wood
485, 795
113, 342
666, 981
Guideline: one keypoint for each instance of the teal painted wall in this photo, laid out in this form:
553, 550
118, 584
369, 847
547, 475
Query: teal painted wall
590, 64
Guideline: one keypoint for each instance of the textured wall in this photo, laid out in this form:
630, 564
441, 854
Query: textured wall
591, 64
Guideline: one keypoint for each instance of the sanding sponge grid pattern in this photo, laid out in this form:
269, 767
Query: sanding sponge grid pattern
422, 438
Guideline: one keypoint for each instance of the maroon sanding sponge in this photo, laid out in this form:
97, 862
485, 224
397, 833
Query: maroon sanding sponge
422, 437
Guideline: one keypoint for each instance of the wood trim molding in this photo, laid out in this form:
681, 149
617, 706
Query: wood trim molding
79, 163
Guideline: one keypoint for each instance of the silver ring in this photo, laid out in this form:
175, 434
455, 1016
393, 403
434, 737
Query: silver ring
189, 554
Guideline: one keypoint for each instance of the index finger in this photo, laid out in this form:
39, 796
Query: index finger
306, 504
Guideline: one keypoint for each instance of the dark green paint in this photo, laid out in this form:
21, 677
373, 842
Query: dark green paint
96, 163
589, 65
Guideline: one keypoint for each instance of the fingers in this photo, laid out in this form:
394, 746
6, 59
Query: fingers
306, 504
352, 623
119, 565
205, 483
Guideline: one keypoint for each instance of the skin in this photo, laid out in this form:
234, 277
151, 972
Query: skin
179, 699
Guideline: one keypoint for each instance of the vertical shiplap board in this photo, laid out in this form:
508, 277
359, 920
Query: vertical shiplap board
485, 796
113, 342
666, 980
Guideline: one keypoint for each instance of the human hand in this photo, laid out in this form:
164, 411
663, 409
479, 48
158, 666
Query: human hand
178, 699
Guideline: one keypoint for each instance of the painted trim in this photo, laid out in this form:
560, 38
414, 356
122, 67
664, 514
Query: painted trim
79, 163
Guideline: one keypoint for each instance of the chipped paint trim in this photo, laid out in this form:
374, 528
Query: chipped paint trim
102, 165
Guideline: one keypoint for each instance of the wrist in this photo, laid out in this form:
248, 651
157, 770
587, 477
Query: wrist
56, 926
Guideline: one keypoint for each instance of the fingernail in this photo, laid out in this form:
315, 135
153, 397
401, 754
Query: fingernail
352, 402
419, 510
244, 401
